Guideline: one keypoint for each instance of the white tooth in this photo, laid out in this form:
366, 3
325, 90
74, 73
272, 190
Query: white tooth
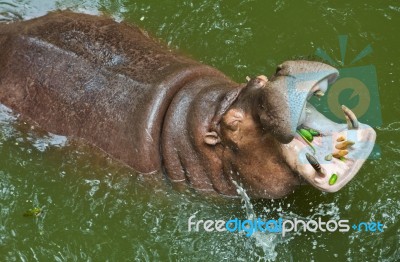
319, 93
352, 121
323, 85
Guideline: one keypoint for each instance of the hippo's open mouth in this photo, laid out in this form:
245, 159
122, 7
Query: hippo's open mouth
327, 154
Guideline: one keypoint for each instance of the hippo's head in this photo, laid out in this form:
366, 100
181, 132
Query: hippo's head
263, 147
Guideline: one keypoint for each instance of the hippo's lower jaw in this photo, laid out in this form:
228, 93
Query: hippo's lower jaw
349, 144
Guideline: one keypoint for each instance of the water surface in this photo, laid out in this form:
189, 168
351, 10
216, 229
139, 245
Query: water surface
97, 210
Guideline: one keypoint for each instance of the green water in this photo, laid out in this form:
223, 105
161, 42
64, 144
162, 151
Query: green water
96, 210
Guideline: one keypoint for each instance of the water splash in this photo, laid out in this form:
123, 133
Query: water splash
246, 200
8, 12
6, 115
50, 140
14, 10
266, 241
395, 126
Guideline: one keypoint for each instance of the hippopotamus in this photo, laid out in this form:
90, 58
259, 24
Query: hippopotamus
158, 111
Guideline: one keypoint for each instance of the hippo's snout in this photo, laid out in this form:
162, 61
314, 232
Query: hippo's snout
282, 102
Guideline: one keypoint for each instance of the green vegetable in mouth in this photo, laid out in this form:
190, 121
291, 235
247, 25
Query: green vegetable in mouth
314, 132
306, 134
333, 179
307, 141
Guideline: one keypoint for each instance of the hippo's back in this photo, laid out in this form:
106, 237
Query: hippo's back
93, 78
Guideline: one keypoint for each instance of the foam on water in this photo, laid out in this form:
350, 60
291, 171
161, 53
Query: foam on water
43, 143
9, 128
395, 126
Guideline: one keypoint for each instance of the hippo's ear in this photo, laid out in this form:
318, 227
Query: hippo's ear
211, 138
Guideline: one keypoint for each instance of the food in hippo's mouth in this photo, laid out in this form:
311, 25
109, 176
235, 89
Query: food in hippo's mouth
341, 148
344, 145
333, 179
308, 134
328, 157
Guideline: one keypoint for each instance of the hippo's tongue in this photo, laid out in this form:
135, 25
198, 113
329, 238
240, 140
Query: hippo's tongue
349, 144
